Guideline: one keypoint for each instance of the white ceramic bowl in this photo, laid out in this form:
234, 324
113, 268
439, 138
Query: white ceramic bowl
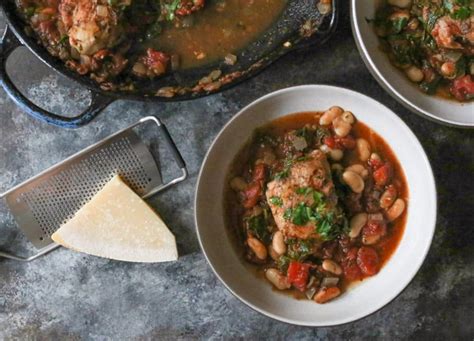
395, 82
361, 300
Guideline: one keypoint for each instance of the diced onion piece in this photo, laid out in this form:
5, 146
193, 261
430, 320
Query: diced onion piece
324, 7
299, 143
329, 282
230, 59
102, 11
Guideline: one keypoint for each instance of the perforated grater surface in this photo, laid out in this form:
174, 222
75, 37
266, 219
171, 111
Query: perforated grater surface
43, 203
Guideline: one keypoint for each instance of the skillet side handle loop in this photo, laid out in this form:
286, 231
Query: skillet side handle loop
8, 43
326, 30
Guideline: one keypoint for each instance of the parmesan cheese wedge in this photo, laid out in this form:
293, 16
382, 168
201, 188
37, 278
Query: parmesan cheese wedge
118, 224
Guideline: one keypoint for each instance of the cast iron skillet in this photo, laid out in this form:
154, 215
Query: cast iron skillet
300, 25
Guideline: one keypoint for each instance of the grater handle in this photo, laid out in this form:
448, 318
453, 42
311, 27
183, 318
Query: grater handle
42, 252
176, 155
8, 43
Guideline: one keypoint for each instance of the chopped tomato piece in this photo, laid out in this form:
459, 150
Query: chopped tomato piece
330, 141
189, 6
368, 260
298, 274
156, 61
252, 194
346, 142
352, 271
337, 142
373, 231
383, 174
375, 164
463, 88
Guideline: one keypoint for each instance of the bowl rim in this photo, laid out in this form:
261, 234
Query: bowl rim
385, 84
430, 178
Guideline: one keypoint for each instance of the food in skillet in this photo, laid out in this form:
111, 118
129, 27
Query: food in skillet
145, 39
432, 41
318, 201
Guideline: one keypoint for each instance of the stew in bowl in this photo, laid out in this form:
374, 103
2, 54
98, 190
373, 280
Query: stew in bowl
305, 223
317, 201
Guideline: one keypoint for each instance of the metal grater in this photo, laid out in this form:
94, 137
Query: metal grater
43, 203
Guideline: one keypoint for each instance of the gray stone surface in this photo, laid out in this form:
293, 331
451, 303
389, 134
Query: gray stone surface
71, 295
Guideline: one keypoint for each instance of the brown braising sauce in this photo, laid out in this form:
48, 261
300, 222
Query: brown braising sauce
356, 257
222, 28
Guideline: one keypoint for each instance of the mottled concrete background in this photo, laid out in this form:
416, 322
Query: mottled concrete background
70, 295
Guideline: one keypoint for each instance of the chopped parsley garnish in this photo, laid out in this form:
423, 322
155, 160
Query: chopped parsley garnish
462, 13
286, 170
298, 249
328, 224
277, 201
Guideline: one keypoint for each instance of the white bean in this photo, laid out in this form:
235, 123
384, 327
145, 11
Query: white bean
448, 69
327, 294
375, 157
363, 149
375, 216
275, 256
354, 181
371, 240
396, 210
400, 3
348, 117
278, 243
257, 247
341, 127
359, 169
330, 115
331, 266
277, 279
334, 154
357, 223
414, 74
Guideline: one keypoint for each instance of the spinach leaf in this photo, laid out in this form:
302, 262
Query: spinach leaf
258, 225
431, 87
283, 262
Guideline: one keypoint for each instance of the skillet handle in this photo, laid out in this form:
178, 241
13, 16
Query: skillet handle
325, 31
8, 43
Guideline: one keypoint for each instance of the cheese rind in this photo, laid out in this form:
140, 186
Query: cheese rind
117, 224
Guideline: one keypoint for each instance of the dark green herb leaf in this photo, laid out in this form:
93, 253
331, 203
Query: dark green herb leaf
398, 25
29, 11
300, 215
258, 226
64, 39
299, 249
431, 87
277, 201
461, 13
283, 262
286, 170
